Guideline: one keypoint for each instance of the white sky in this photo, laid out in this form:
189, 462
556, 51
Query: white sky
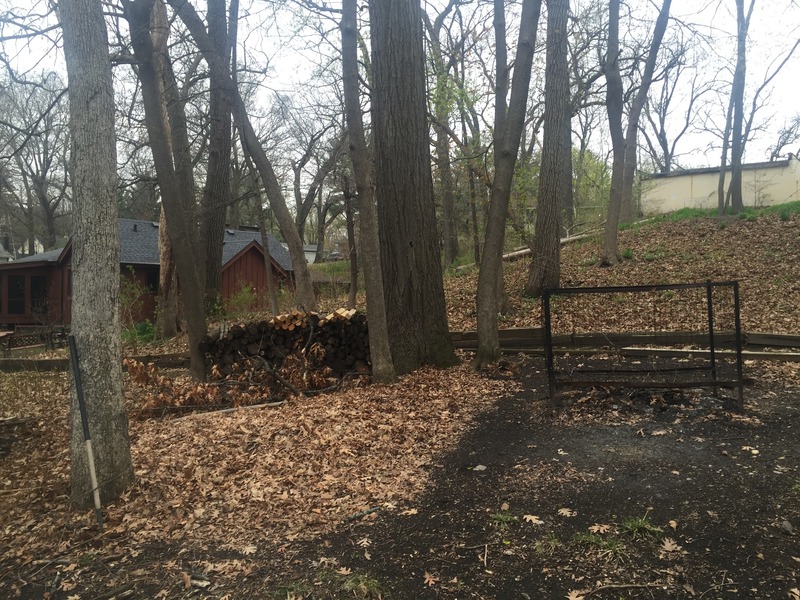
775, 27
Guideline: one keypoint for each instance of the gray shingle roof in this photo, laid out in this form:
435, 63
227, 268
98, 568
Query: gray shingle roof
139, 244
49, 256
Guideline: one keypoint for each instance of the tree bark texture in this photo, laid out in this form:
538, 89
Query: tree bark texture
217, 191
167, 315
634, 114
441, 110
382, 365
182, 233
350, 221
410, 258
505, 154
623, 146
168, 307
95, 257
555, 174
737, 101
304, 291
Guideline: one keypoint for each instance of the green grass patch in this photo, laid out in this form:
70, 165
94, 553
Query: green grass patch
142, 332
330, 584
338, 268
547, 546
608, 547
504, 519
784, 211
641, 527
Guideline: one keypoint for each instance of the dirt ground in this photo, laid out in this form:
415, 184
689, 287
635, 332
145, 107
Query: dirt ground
612, 494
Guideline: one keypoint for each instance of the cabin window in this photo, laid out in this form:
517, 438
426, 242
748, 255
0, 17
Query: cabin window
16, 294
39, 293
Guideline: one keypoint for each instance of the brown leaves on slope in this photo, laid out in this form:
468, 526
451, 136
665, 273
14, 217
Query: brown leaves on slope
763, 255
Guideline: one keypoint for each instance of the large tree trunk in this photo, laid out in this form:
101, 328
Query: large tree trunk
614, 108
506, 145
352, 252
95, 258
417, 320
382, 365
217, 192
624, 147
182, 233
723, 164
167, 315
168, 306
555, 175
737, 102
304, 292
442, 98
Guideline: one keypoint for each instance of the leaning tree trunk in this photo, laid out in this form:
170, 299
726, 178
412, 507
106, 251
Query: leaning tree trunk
507, 143
95, 257
555, 176
382, 366
413, 287
304, 291
624, 148
183, 234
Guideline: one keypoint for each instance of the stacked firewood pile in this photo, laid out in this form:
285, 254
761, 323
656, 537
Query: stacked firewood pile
337, 341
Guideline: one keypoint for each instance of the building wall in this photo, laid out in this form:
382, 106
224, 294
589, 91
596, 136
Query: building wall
767, 184
247, 270
31, 296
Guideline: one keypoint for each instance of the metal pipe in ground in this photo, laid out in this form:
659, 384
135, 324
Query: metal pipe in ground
87, 438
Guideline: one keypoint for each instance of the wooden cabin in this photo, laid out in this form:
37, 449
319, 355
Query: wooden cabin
37, 290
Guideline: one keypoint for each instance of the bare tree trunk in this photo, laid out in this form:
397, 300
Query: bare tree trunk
272, 292
304, 291
414, 291
723, 165
381, 357
349, 214
507, 141
167, 315
217, 192
95, 258
182, 234
737, 102
447, 191
168, 306
442, 99
624, 147
555, 175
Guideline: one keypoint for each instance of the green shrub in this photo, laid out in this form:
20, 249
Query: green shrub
242, 301
141, 332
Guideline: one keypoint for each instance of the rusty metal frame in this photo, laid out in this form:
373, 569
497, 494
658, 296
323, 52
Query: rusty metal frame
557, 379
